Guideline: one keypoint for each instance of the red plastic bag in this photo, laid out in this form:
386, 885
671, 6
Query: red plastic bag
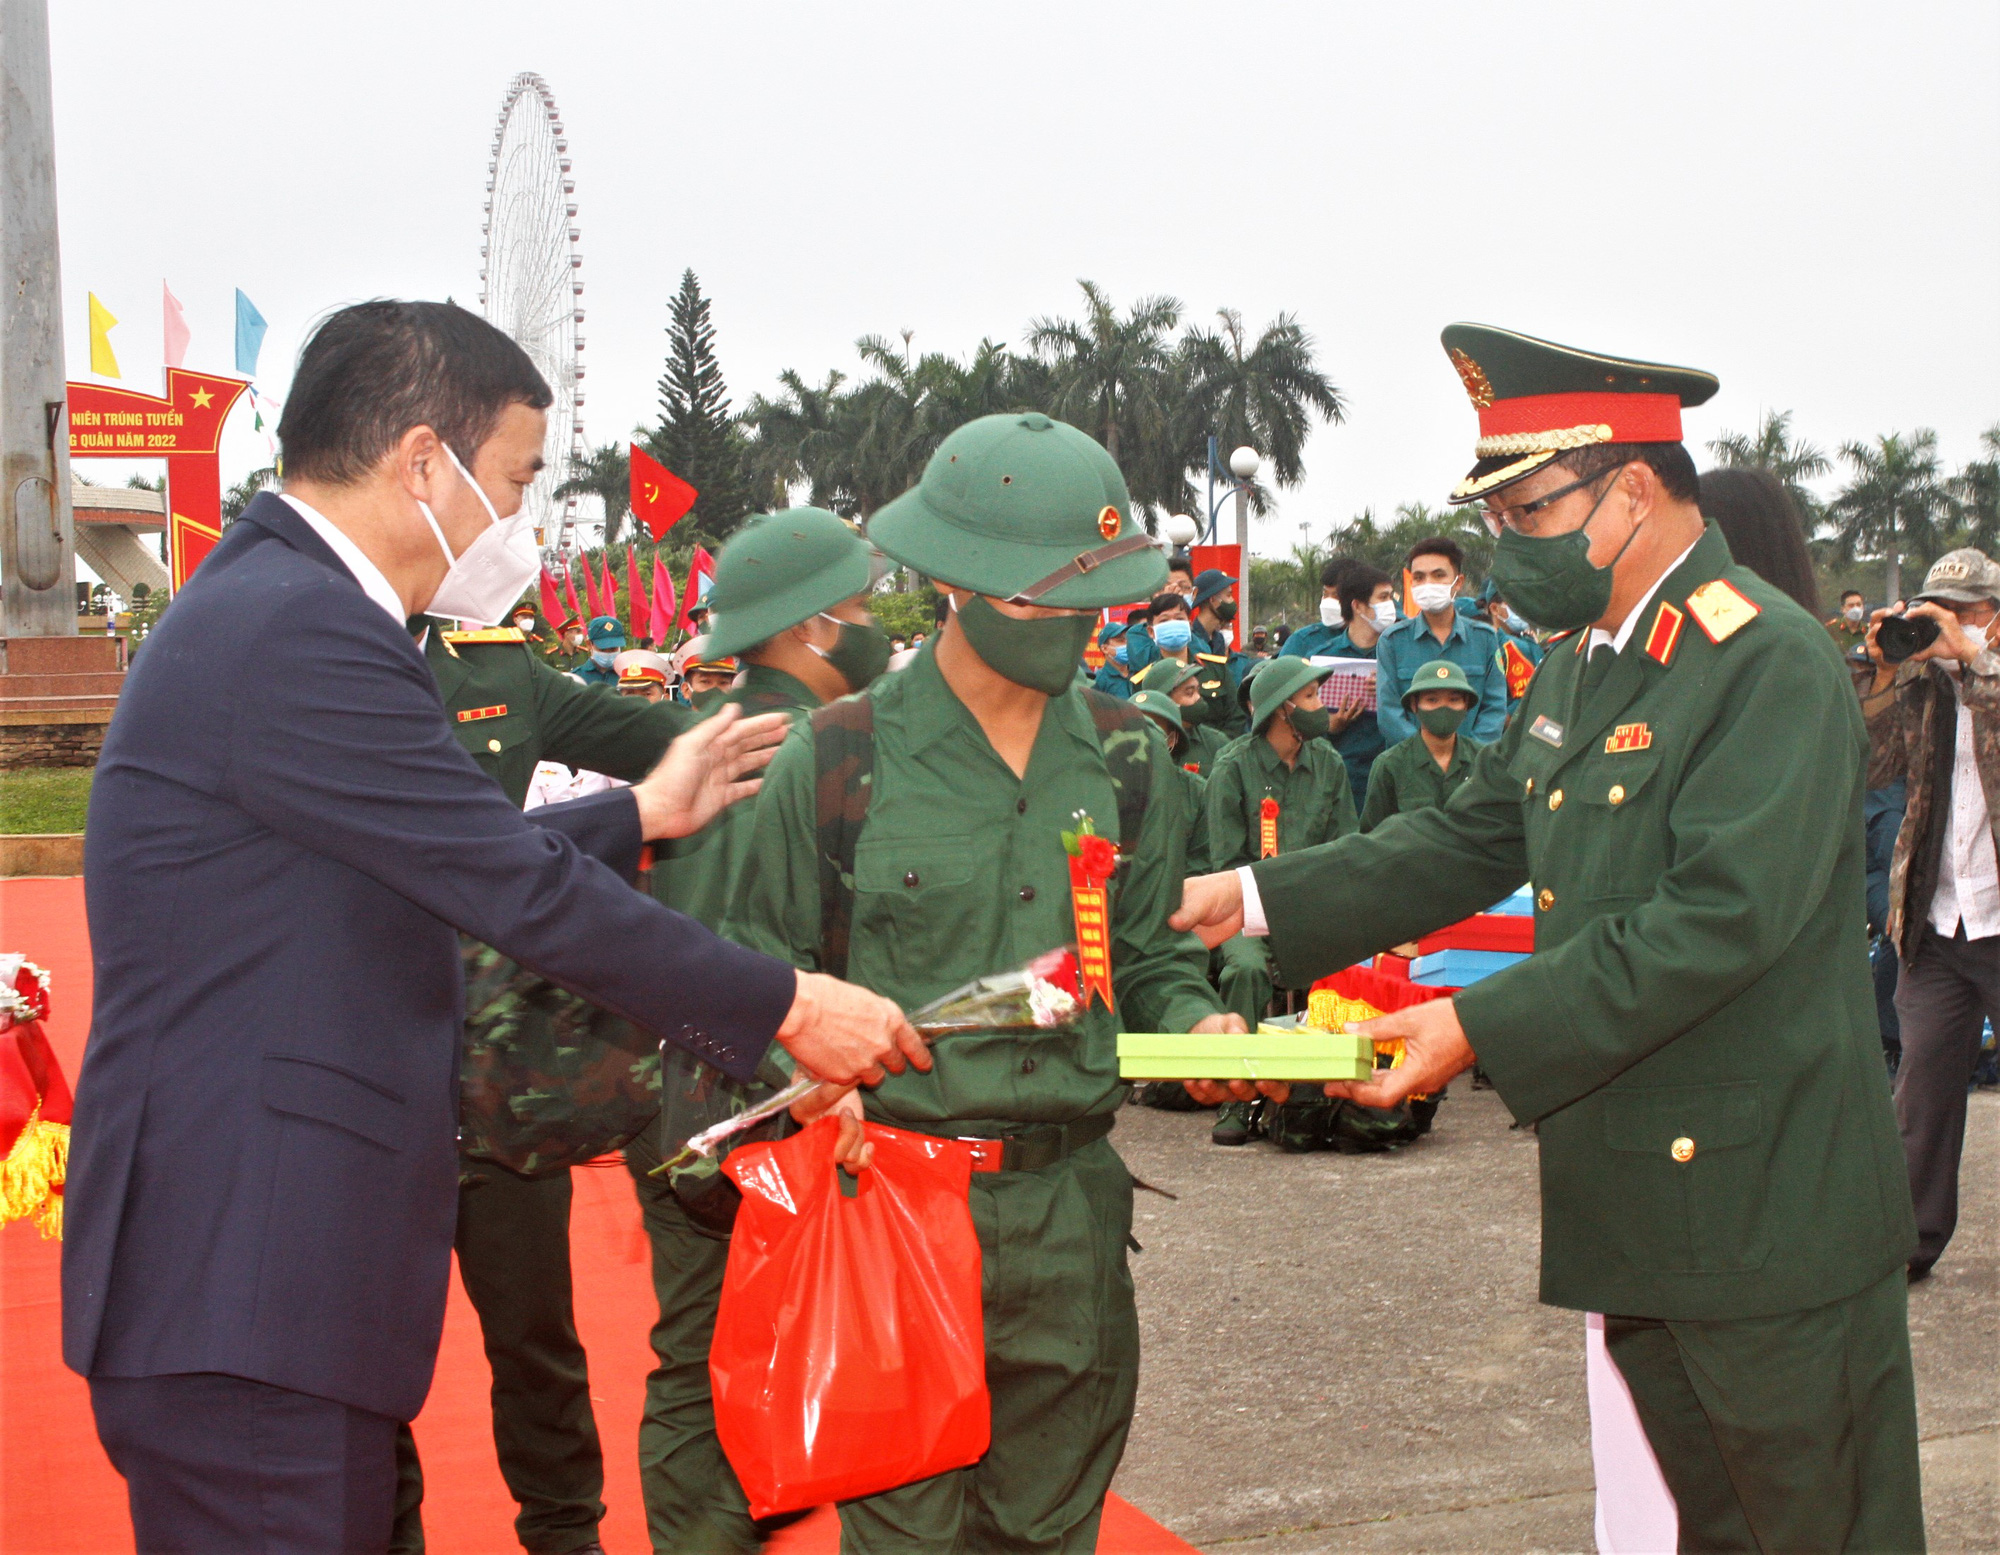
850, 1348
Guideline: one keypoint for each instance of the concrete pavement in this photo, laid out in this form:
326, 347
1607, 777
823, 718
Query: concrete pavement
1346, 1353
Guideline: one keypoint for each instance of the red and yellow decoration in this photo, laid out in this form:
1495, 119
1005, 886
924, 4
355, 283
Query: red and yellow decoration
474, 714
1267, 828
1092, 862
34, 1103
1518, 668
1628, 737
1719, 610
1361, 993
1666, 633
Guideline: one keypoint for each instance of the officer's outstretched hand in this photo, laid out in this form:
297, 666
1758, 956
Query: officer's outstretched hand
1213, 1093
1434, 1049
706, 770
846, 1034
1211, 907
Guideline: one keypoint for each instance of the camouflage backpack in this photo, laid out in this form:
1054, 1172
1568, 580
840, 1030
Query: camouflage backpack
697, 1095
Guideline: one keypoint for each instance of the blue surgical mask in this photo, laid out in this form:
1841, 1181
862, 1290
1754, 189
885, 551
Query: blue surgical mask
1172, 636
1118, 653
599, 656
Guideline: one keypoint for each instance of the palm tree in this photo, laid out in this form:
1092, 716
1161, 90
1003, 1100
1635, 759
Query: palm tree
1977, 490
237, 497
1111, 376
1898, 500
606, 474
1265, 395
799, 438
1773, 449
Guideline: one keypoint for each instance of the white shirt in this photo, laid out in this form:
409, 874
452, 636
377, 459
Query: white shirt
553, 783
1256, 925
366, 573
1968, 886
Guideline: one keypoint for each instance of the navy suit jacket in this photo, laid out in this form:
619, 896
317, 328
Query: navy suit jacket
283, 837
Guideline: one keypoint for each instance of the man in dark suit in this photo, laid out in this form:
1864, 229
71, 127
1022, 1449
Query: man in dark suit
283, 837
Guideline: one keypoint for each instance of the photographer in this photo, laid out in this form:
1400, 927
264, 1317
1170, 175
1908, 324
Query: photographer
1933, 715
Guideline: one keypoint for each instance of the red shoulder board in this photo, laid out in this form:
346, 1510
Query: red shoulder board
1518, 667
1666, 633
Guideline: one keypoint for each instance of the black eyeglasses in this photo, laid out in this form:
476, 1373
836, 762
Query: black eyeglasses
1517, 518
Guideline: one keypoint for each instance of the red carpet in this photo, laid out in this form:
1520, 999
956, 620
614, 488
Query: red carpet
58, 1495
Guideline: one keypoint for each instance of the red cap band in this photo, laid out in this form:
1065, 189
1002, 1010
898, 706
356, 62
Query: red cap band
1633, 418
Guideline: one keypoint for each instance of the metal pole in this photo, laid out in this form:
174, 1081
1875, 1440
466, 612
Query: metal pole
1243, 556
1209, 538
37, 534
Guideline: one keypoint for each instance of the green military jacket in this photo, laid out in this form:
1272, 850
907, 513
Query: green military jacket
1315, 803
959, 871
1204, 744
1406, 776
1695, 1033
1218, 684
696, 874
510, 711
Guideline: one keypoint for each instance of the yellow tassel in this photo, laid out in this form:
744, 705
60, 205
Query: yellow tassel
33, 1173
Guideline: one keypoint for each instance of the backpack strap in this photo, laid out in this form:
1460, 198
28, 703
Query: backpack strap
844, 753
1122, 733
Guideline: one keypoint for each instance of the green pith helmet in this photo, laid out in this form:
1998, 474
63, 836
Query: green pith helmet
1026, 508
1158, 704
1440, 675
1163, 675
1277, 683
779, 570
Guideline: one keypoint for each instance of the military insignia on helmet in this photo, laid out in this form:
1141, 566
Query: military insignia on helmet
1473, 376
1108, 522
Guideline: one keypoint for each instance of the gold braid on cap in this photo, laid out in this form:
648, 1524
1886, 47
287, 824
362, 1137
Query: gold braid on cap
1554, 441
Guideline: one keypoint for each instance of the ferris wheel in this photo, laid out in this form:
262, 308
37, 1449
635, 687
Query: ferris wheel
531, 279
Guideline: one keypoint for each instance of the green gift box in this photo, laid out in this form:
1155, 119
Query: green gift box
1269, 1053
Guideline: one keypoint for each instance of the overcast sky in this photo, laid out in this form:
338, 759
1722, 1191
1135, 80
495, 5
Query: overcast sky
1802, 200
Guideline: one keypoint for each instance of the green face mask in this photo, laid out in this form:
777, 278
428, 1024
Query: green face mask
1042, 655
1194, 713
1551, 581
859, 654
702, 701
1309, 723
1441, 721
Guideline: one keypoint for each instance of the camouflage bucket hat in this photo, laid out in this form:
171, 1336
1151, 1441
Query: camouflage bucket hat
1025, 508
1962, 577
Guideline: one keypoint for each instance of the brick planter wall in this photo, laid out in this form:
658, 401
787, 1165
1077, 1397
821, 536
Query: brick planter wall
69, 744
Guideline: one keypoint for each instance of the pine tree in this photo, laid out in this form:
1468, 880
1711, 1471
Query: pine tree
697, 438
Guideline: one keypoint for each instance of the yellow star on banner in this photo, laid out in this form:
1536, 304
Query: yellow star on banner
201, 399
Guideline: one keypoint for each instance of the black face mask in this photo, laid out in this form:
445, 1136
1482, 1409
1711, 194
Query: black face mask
1225, 613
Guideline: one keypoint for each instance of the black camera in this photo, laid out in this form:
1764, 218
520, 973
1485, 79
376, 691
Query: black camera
1900, 636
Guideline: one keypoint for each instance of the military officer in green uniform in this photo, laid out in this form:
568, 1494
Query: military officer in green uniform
1432, 764
1694, 1036
510, 710
1849, 629
1222, 666
607, 641
948, 863
1281, 788
1180, 684
790, 602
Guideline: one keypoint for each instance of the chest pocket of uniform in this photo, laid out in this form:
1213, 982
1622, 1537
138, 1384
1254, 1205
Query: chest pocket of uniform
1623, 839
907, 896
1686, 1176
489, 739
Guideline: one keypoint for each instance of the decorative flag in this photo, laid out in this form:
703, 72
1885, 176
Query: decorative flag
610, 586
593, 594
1267, 829
249, 334
1409, 594
552, 611
569, 583
663, 602
659, 496
102, 362
637, 613
1092, 861
1519, 668
175, 330
701, 578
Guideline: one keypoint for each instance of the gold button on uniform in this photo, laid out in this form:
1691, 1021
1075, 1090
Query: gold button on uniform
1556, 799
1546, 900
1682, 1149
1531, 788
493, 745
1617, 794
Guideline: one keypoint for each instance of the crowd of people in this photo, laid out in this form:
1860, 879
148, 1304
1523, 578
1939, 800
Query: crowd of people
916, 827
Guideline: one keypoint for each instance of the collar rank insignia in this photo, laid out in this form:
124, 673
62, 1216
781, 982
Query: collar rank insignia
1547, 730
1719, 610
1666, 633
474, 714
1628, 737
487, 634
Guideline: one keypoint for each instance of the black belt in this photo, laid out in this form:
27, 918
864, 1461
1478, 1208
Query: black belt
1031, 1149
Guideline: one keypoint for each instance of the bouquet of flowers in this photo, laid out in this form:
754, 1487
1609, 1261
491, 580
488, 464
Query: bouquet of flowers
34, 1102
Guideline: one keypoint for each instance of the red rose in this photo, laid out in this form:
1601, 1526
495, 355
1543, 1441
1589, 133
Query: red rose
1099, 857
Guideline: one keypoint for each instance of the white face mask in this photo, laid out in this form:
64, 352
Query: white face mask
1432, 597
1385, 613
1854, 613
482, 585
1329, 613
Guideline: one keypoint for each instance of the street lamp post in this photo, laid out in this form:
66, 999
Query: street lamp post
1243, 464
